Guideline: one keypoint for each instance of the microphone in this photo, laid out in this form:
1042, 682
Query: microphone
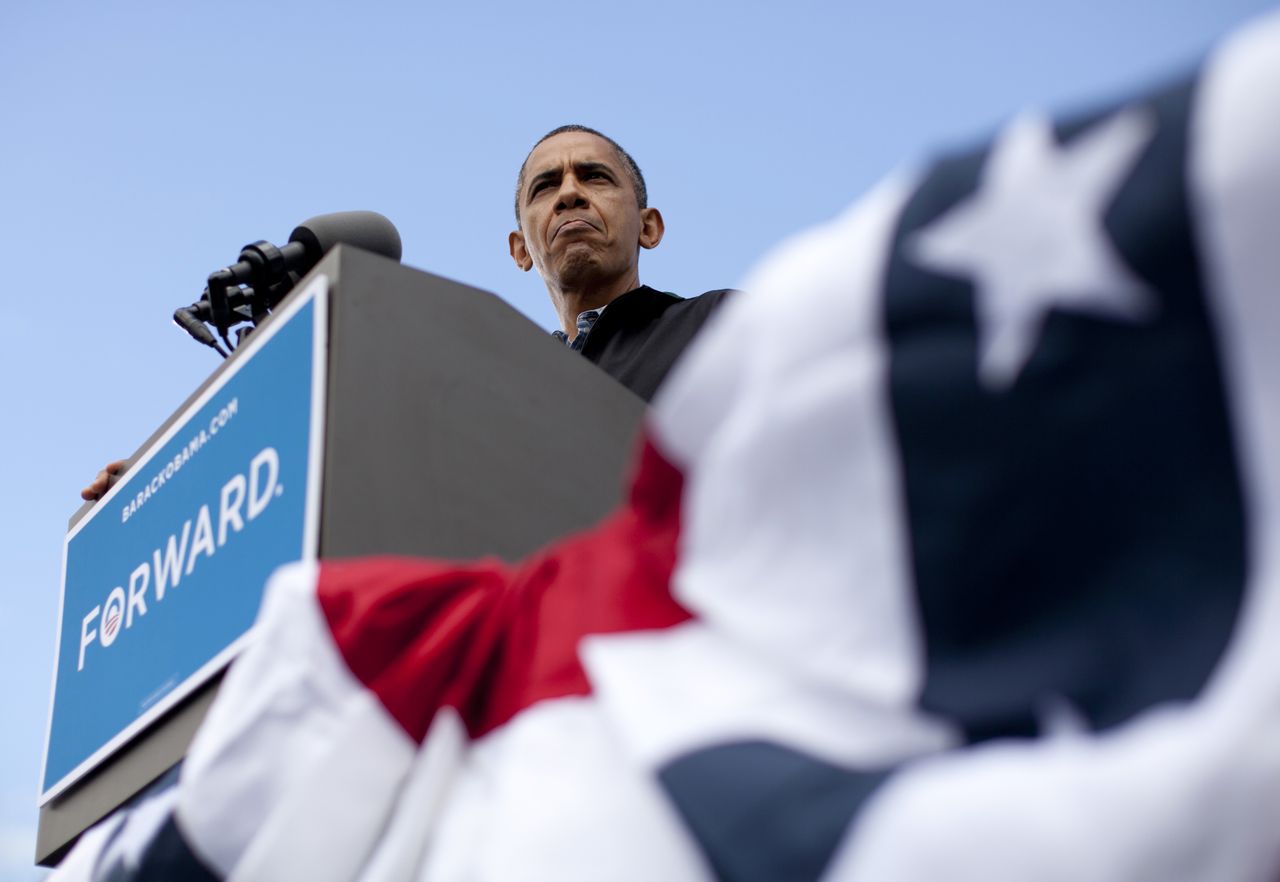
363, 229
187, 319
268, 273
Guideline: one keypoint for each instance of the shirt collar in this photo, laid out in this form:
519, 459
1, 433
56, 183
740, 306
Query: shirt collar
585, 322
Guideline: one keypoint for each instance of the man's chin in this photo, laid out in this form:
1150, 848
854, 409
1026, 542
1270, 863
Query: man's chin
580, 268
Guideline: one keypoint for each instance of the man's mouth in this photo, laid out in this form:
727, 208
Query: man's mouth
571, 226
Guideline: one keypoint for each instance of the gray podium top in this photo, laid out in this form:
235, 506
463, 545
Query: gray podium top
455, 428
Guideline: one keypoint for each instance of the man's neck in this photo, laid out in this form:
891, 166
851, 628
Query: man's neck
569, 301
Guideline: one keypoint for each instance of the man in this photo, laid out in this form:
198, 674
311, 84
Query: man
582, 216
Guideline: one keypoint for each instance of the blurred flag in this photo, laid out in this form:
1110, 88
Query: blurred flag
949, 554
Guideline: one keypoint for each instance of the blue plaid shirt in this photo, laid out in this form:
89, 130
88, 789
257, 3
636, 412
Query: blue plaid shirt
586, 320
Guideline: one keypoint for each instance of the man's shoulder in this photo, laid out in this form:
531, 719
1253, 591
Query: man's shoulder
713, 297
641, 334
648, 318
645, 298
647, 310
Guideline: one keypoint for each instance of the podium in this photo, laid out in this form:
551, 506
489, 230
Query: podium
442, 423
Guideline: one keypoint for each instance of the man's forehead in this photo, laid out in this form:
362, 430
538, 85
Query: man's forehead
571, 147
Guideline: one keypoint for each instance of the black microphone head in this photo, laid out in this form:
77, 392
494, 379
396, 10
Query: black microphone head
363, 229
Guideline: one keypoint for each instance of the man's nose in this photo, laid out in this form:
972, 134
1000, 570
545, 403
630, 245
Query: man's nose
571, 195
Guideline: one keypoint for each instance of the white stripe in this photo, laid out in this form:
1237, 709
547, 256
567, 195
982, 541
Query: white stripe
294, 770
793, 540
85, 859
551, 796
329, 815
673, 691
1177, 795
1236, 188
416, 819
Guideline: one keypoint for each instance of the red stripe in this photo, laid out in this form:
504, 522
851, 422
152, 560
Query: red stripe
491, 639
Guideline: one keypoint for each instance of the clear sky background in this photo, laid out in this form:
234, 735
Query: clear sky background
142, 144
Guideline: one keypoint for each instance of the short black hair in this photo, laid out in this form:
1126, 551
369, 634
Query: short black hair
633, 169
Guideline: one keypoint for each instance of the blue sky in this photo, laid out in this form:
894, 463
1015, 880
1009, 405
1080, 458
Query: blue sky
144, 143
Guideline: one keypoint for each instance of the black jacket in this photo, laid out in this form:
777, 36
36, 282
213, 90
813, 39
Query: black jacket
640, 335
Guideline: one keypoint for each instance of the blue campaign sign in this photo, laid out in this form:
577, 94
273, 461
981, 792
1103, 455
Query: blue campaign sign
162, 580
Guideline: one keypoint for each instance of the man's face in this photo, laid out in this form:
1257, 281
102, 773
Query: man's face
580, 224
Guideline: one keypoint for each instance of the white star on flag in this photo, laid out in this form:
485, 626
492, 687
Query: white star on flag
1031, 238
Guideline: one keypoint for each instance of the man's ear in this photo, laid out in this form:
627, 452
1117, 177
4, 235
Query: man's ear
651, 227
519, 253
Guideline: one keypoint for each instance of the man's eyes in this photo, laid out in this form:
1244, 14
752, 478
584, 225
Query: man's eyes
591, 175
